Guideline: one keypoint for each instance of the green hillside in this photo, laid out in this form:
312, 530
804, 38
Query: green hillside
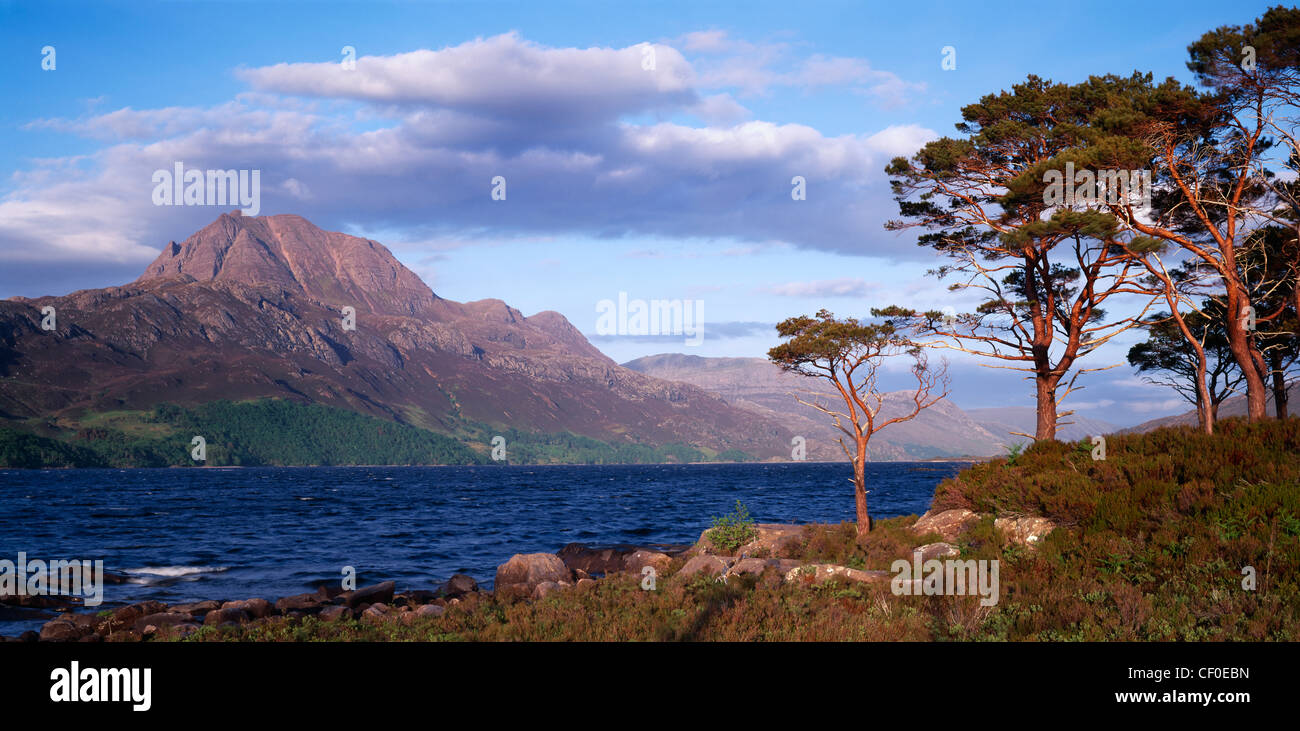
279, 432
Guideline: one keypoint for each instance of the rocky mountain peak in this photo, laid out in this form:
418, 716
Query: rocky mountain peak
289, 251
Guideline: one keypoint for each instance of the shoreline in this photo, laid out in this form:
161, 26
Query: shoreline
775, 550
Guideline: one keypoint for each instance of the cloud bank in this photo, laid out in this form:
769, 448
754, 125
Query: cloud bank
595, 142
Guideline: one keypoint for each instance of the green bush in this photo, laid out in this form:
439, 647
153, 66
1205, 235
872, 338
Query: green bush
733, 530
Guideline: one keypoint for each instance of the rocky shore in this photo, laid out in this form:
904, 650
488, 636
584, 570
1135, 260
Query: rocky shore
524, 577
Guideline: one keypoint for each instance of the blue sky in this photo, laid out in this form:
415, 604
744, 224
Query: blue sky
665, 183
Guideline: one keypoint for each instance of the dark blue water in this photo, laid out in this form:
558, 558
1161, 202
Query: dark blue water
189, 534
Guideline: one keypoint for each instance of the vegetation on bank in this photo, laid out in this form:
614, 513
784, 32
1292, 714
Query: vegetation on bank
567, 448
733, 530
279, 432
1151, 544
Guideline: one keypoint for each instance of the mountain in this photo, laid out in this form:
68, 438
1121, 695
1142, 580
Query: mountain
1004, 421
252, 308
1233, 406
943, 430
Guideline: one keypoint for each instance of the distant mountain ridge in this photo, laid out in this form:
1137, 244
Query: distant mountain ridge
251, 307
758, 385
1232, 407
1006, 421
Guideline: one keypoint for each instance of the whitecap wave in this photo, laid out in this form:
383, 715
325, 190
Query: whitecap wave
176, 570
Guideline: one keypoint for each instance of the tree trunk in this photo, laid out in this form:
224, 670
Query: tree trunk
1295, 270
1279, 384
1206, 408
1208, 413
860, 486
1046, 407
1247, 356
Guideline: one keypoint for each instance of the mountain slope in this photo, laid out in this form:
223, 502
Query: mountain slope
757, 385
1233, 406
251, 308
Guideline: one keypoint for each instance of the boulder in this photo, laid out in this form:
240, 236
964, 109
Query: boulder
225, 616
1026, 530
162, 619
178, 629
936, 551
416, 597
459, 584
521, 575
87, 624
378, 593
60, 630
601, 560
756, 566
546, 587
308, 603
184, 630
949, 523
430, 610
328, 592
636, 561
197, 609
255, 608
471, 600
773, 540
579, 557
335, 613
704, 564
127, 616
819, 573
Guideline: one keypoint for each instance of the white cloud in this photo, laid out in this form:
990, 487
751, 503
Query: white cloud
500, 75
842, 287
757, 68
